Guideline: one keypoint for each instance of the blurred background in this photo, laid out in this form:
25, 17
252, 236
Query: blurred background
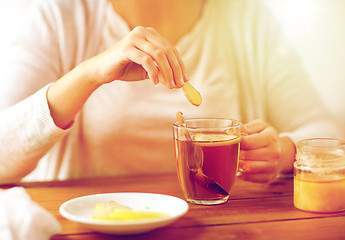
315, 29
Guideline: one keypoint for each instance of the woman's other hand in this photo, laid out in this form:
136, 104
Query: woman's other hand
263, 153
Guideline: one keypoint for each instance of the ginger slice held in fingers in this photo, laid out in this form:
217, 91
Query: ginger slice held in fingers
192, 94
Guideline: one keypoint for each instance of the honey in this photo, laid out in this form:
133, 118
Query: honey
316, 195
319, 175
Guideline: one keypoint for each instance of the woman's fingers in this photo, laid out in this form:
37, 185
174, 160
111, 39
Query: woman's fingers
159, 58
255, 126
258, 177
140, 58
142, 54
258, 171
265, 137
185, 77
260, 152
176, 66
164, 54
254, 167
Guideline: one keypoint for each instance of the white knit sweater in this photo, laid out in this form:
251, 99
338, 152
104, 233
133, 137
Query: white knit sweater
235, 57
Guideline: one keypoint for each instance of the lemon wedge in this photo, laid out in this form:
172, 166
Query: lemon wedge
118, 212
201, 137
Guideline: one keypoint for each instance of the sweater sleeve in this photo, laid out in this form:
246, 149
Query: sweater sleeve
42, 51
27, 132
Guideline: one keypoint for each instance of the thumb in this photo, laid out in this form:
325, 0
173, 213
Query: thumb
244, 130
255, 126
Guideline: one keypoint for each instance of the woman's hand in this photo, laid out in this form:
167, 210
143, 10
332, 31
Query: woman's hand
263, 153
142, 54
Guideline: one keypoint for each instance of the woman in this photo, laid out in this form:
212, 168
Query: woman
70, 109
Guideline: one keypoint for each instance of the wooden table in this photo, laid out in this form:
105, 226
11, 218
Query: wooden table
254, 211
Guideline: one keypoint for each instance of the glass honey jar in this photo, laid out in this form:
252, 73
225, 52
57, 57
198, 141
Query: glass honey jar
319, 175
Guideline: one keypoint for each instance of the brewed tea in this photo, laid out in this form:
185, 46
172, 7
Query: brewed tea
210, 175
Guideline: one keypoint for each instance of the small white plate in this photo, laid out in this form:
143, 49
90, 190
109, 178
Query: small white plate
80, 210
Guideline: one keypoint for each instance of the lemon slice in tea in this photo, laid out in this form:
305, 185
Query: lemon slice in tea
202, 137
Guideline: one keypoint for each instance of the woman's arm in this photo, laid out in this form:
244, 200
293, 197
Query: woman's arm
27, 132
30, 126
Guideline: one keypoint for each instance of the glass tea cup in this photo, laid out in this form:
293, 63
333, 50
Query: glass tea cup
207, 156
